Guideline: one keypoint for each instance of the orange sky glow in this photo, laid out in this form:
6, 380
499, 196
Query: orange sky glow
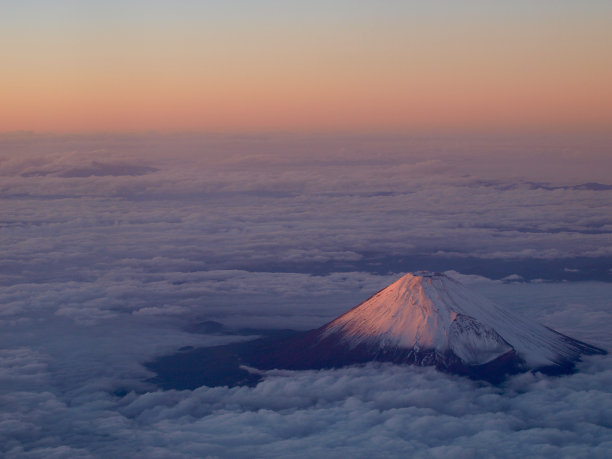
393, 71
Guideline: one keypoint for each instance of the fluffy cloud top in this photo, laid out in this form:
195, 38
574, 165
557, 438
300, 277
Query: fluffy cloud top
374, 411
113, 245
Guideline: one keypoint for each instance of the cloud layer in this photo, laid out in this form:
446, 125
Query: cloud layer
374, 411
113, 245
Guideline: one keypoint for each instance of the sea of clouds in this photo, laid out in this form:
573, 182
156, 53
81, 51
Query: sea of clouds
112, 246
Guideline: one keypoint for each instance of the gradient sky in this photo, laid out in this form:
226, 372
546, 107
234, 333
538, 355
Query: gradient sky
305, 66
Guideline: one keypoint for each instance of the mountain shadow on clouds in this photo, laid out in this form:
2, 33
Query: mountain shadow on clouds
222, 365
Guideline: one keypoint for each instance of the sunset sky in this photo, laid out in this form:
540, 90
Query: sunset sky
298, 66
184, 174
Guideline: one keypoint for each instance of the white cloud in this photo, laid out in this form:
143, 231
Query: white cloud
373, 410
104, 268
60, 380
224, 205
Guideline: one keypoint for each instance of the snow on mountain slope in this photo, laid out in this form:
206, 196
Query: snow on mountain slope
426, 319
430, 311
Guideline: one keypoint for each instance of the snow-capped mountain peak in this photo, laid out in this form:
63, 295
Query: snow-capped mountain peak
428, 319
432, 311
